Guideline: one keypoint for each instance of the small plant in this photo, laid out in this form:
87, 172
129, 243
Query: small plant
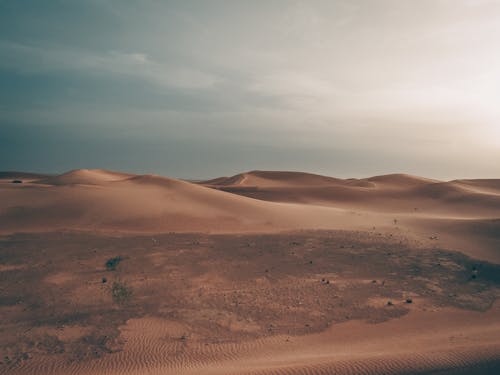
112, 263
120, 292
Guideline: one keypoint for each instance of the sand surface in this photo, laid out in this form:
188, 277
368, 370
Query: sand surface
260, 273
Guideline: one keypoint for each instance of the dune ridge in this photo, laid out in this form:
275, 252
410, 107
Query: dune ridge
396, 193
251, 202
84, 177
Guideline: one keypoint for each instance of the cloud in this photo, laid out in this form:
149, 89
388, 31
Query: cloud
28, 59
402, 80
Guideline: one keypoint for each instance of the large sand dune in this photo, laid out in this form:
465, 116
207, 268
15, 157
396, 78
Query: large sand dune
102, 200
287, 273
388, 193
459, 214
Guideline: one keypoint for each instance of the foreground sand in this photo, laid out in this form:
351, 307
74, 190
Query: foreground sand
261, 290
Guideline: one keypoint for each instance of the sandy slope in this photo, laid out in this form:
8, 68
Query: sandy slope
389, 193
415, 217
84, 177
102, 200
461, 213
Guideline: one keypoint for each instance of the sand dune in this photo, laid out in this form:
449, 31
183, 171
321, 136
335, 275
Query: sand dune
396, 193
287, 179
101, 200
451, 213
400, 180
84, 177
266, 292
274, 178
491, 186
251, 202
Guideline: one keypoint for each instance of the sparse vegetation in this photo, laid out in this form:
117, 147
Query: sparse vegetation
278, 302
112, 263
120, 292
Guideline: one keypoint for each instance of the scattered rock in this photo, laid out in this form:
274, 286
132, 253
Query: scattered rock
409, 300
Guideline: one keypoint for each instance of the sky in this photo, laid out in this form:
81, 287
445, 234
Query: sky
199, 89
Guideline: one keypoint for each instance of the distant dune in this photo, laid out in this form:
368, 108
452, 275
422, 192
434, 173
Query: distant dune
256, 201
104, 200
84, 177
273, 178
389, 193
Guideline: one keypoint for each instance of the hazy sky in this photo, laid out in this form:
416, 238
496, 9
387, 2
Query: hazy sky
207, 88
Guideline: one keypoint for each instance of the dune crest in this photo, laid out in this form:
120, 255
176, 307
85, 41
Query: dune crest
400, 180
273, 178
84, 177
254, 201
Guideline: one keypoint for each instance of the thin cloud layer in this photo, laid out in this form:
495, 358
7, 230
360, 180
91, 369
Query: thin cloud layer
345, 88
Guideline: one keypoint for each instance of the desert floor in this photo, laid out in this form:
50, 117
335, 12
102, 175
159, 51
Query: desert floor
260, 273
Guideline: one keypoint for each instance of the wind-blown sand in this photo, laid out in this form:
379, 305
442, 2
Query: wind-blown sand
262, 272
